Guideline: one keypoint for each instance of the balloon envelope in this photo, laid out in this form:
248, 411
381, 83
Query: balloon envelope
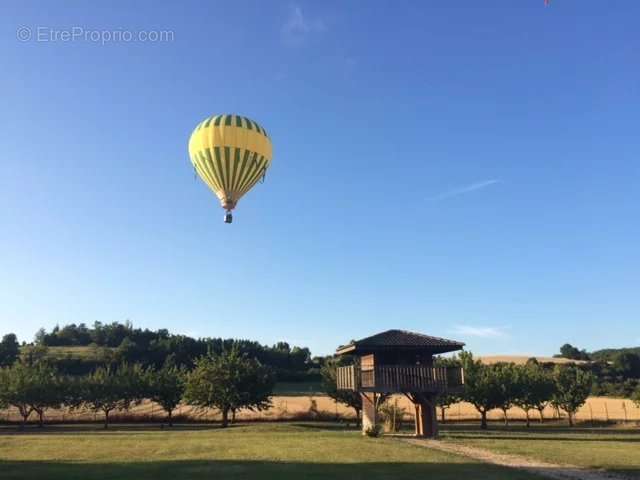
231, 154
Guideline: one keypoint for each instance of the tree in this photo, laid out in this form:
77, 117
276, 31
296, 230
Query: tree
15, 388
569, 351
627, 364
508, 386
109, 389
9, 350
572, 388
73, 391
256, 387
40, 337
444, 402
31, 384
45, 389
166, 387
127, 350
229, 381
536, 389
481, 387
350, 398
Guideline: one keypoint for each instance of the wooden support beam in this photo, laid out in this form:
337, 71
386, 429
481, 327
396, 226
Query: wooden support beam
425, 414
419, 424
368, 411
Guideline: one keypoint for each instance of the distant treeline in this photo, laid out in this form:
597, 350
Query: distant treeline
610, 354
114, 343
604, 355
616, 370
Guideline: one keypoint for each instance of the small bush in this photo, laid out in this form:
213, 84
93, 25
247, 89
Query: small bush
392, 416
313, 411
374, 431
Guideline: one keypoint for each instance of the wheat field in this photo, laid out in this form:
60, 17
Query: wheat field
523, 359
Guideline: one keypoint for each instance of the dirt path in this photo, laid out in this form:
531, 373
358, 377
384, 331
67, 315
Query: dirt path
549, 470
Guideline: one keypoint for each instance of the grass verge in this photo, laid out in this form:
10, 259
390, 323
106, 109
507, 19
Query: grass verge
255, 451
612, 449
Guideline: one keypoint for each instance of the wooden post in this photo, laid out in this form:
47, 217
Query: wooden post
430, 421
426, 419
395, 411
419, 431
368, 411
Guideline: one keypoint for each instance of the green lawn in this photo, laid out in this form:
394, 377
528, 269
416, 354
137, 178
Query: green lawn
277, 451
617, 450
81, 352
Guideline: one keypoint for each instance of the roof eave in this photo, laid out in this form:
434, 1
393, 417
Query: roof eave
436, 349
345, 349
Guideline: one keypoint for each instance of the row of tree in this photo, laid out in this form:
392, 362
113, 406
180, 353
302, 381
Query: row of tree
228, 381
530, 387
231, 381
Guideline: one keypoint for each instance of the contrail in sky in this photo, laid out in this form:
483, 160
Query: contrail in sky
454, 192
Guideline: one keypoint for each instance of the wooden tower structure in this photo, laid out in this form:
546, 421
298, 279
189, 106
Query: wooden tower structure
397, 361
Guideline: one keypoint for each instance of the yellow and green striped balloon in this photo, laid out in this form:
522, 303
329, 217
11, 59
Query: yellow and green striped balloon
231, 154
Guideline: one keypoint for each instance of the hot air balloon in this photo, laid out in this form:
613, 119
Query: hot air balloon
231, 154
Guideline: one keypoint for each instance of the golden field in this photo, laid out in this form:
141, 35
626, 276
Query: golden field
302, 407
522, 359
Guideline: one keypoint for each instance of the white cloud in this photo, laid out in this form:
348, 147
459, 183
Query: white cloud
472, 187
298, 26
483, 332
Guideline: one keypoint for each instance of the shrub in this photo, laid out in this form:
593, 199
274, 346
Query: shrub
636, 397
313, 408
391, 416
374, 431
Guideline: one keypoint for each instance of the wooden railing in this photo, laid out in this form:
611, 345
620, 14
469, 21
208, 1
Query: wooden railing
400, 378
347, 379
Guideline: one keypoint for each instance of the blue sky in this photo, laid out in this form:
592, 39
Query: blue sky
464, 169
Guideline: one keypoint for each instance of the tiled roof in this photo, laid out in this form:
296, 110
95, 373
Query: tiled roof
402, 339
